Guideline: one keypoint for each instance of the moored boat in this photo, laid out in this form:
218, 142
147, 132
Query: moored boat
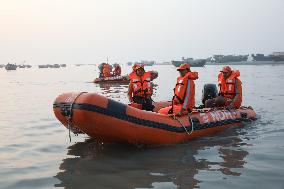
190, 61
42, 66
21, 66
111, 121
11, 66
278, 56
261, 57
229, 58
115, 79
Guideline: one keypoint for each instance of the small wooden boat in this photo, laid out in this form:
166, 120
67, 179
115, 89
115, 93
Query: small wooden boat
115, 79
111, 121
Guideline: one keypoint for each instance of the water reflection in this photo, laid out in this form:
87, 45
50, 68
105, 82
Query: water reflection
113, 90
110, 86
96, 165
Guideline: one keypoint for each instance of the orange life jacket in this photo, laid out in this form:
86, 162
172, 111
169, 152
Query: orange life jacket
106, 70
182, 87
228, 86
117, 71
141, 86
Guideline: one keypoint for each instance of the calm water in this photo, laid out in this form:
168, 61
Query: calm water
35, 151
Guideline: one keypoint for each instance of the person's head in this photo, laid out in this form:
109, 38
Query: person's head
140, 70
226, 71
135, 66
183, 69
220, 101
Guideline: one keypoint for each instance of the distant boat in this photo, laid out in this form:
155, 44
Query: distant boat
11, 66
28, 66
278, 56
2, 65
53, 65
43, 66
163, 63
56, 66
63, 65
21, 66
229, 58
190, 61
261, 57
145, 62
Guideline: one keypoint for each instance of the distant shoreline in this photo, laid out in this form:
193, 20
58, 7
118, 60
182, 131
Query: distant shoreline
248, 63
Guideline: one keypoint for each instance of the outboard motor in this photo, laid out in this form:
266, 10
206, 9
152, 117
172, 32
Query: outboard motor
209, 91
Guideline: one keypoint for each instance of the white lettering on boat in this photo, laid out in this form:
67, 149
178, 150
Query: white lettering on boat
214, 116
221, 115
228, 114
204, 117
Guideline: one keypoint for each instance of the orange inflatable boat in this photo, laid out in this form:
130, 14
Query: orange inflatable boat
111, 121
116, 79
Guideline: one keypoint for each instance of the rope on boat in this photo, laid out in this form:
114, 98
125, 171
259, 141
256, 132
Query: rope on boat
69, 117
191, 123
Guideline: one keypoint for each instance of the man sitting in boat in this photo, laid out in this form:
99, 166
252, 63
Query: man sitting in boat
106, 70
184, 92
230, 90
117, 70
101, 67
140, 89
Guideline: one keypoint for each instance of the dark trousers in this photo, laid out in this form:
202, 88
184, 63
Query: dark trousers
145, 102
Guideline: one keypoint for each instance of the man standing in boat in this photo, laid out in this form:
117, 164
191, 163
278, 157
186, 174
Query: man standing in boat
106, 70
184, 92
140, 89
230, 90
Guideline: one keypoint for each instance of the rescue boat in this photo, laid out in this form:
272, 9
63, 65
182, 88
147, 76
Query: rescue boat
111, 121
115, 79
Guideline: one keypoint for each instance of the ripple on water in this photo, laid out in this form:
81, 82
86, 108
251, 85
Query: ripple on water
41, 182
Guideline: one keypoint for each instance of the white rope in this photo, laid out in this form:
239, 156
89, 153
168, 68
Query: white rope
69, 118
191, 123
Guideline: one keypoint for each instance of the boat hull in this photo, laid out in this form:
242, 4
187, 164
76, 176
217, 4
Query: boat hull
111, 121
118, 79
193, 63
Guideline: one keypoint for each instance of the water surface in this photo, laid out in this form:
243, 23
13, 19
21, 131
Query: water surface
35, 151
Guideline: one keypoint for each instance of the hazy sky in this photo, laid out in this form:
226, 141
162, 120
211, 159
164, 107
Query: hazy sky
88, 31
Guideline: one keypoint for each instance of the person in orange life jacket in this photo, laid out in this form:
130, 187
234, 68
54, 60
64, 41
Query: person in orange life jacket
184, 92
230, 90
101, 67
133, 73
117, 70
106, 70
140, 88
154, 74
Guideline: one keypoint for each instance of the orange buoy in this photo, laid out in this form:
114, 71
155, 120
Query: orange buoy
111, 121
